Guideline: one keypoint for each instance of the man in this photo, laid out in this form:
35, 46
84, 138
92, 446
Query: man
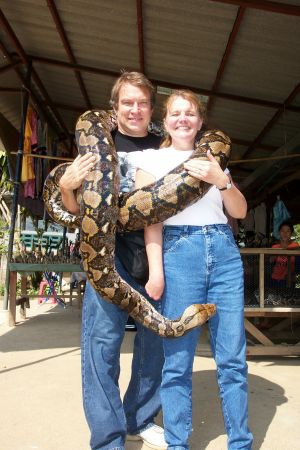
103, 323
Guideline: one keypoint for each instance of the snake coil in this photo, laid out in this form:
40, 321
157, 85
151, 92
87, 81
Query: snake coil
103, 211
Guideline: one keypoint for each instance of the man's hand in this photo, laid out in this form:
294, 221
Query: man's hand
77, 172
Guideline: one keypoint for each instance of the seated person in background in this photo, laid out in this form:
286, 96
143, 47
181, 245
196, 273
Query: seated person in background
280, 270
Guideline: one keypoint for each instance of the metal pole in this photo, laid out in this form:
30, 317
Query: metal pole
63, 254
17, 180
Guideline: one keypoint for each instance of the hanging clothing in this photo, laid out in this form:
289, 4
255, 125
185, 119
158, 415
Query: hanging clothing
249, 223
233, 223
29, 189
34, 130
260, 219
280, 214
27, 166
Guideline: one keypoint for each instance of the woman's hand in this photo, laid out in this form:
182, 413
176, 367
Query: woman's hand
75, 173
155, 286
209, 171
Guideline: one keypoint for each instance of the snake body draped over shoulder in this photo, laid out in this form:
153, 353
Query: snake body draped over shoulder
103, 211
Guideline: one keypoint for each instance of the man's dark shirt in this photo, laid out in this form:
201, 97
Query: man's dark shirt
125, 145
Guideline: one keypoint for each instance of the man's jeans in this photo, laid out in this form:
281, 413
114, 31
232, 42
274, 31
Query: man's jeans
103, 328
203, 265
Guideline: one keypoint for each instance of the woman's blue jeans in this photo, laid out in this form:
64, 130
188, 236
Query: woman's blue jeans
103, 328
203, 265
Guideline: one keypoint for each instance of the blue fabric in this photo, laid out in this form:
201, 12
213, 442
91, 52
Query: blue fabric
103, 328
280, 214
203, 265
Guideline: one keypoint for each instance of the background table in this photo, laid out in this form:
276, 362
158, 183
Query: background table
25, 269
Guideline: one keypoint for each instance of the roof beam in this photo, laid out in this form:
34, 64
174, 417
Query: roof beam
273, 188
25, 59
273, 120
35, 98
284, 181
65, 41
11, 89
139, 11
247, 143
226, 55
207, 92
81, 109
280, 8
10, 66
71, 66
271, 168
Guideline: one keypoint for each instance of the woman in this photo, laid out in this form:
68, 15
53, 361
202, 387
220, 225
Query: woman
193, 258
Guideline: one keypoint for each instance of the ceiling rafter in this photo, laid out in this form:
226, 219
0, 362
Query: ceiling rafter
67, 46
10, 66
25, 59
207, 92
226, 55
247, 143
284, 181
273, 120
11, 89
264, 173
267, 6
273, 189
280, 8
139, 12
34, 96
81, 109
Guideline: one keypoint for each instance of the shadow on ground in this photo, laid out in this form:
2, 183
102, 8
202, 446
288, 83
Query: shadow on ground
60, 329
52, 328
264, 399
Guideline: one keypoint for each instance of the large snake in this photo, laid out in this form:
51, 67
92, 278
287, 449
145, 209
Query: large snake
103, 211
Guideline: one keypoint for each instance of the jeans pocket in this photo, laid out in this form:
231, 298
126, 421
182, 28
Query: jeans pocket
227, 233
172, 242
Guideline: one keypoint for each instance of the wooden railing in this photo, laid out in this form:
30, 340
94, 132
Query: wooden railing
263, 276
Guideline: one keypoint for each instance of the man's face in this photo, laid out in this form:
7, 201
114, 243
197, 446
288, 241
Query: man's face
133, 110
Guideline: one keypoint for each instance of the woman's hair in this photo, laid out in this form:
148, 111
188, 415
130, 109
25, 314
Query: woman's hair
188, 95
287, 224
136, 79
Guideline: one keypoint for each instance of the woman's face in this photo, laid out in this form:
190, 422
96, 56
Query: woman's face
182, 122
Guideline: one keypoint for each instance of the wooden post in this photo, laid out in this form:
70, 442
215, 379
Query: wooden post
12, 298
261, 280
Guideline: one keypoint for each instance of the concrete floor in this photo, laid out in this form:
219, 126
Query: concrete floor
41, 392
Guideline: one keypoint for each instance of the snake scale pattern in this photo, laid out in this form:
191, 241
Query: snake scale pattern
103, 211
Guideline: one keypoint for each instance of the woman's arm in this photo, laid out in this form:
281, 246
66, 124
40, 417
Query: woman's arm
153, 241
234, 202
211, 172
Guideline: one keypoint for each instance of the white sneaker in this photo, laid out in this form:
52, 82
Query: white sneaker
152, 436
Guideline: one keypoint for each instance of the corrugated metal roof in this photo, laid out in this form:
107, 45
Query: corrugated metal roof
246, 59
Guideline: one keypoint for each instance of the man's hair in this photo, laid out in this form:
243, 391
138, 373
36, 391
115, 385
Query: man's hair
136, 79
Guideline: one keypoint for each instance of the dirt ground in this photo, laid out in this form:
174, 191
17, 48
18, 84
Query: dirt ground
40, 389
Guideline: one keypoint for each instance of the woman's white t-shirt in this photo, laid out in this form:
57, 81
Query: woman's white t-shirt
206, 211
